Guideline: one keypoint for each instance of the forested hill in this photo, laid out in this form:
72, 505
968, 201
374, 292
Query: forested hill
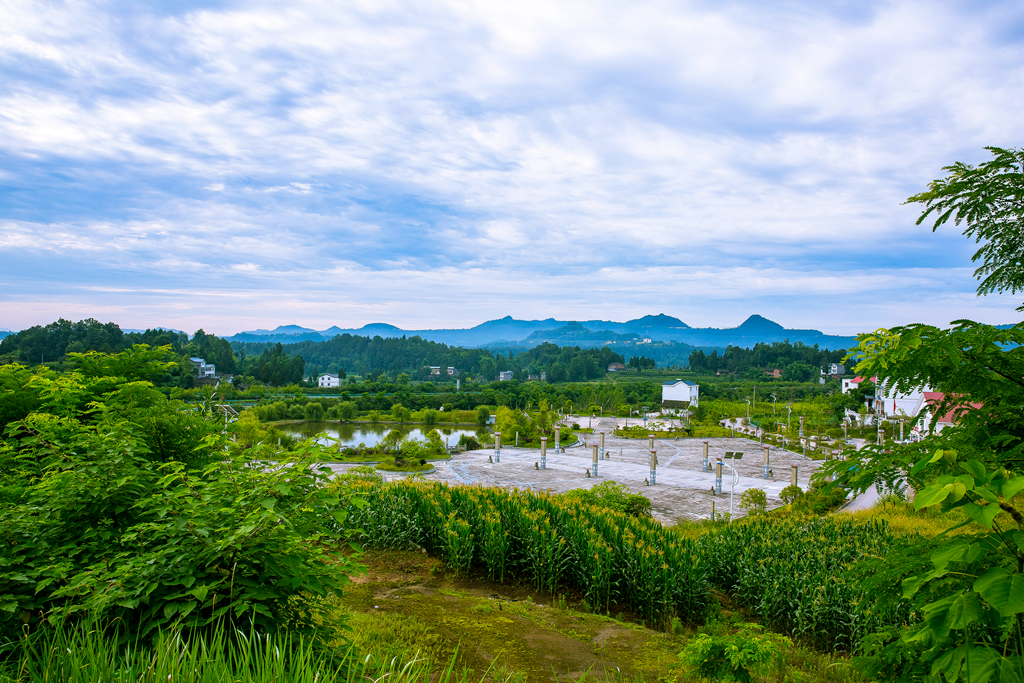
46, 343
798, 362
414, 356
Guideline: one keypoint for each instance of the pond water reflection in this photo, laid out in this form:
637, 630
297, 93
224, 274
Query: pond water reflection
372, 434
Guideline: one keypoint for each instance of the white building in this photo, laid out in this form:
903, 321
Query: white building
850, 384
202, 369
328, 381
896, 405
837, 369
505, 376
680, 390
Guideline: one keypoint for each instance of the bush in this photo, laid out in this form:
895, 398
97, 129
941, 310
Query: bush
482, 415
314, 411
469, 443
790, 493
754, 501
107, 532
430, 416
735, 657
612, 496
347, 411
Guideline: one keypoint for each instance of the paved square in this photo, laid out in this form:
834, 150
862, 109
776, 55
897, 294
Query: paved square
683, 490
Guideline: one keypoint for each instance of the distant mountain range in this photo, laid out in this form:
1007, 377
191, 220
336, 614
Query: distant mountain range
508, 331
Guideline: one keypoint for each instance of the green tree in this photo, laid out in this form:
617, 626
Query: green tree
754, 501
347, 411
483, 415
400, 413
314, 411
988, 200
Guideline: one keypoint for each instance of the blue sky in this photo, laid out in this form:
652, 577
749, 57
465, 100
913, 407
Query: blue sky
239, 165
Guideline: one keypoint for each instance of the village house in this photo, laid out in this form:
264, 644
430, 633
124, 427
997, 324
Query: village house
680, 390
616, 367
327, 381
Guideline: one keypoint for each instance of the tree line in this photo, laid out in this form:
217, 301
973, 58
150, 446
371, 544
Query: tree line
798, 362
373, 357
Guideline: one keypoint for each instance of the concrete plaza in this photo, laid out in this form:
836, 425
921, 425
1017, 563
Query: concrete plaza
682, 490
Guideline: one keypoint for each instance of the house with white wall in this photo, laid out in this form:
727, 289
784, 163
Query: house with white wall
326, 381
680, 390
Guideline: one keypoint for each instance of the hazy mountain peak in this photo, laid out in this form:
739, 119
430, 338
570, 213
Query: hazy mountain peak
760, 324
658, 321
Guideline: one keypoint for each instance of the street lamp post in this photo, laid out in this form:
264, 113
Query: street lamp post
732, 491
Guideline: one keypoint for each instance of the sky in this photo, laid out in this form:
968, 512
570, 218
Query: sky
233, 166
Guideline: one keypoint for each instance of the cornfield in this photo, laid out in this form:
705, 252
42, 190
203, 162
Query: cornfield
791, 574
610, 558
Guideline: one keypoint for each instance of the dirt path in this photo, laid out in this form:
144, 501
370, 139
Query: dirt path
406, 602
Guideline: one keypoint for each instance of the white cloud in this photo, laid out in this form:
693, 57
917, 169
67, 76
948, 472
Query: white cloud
514, 144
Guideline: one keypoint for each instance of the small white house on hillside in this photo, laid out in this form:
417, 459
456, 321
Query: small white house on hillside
329, 381
680, 390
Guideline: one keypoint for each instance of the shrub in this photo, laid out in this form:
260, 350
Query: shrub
482, 415
469, 443
314, 411
754, 501
400, 413
430, 416
109, 533
734, 657
347, 411
790, 493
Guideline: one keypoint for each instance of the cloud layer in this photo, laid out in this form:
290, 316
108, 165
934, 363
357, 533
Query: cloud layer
228, 165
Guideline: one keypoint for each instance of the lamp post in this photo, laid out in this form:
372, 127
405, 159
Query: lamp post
497, 446
774, 399
543, 452
732, 490
789, 416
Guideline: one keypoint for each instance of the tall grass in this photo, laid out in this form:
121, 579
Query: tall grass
82, 654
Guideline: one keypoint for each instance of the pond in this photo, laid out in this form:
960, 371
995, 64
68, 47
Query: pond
372, 434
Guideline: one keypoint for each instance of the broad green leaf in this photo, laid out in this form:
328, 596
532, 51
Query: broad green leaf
200, 592
963, 611
269, 502
1012, 487
911, 585
987, 494
958, 550
975, 468
187, 608
958, 491
1003, 590
936, 457
931, 495
170, 609
1008, 672
982, 514
983, 663
920, 466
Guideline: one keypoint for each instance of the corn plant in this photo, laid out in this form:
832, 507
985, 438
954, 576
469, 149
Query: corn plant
611, 558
